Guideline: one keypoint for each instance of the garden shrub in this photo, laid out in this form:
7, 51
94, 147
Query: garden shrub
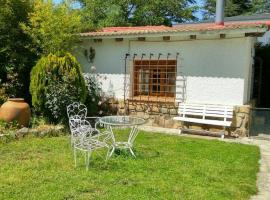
56, 81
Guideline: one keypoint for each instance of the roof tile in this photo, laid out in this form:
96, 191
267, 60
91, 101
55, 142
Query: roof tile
121, 31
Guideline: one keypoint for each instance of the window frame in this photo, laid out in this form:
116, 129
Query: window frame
161, 81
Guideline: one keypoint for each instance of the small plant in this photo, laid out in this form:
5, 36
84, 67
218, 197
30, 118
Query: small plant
8, 125
8, 131
37, 120
97, 102
3, 95
93, 95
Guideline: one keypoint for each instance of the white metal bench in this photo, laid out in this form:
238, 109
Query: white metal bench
217, 115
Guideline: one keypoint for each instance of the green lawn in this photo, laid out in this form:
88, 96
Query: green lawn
166, 167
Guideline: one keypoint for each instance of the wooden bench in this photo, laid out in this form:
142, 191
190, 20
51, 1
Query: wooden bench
217, 115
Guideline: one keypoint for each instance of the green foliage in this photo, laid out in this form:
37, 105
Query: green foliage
237, 7
16, 60
52, 27
166, 167
29, 29
8, 131
97, 102
260, 6
3, 96
99, 13
93, 97
56, 81
8, 125
39, 128
37, 120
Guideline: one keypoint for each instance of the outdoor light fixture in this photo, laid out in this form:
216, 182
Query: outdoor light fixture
90, 54
93, 69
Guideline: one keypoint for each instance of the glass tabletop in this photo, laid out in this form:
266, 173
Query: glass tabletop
122, 120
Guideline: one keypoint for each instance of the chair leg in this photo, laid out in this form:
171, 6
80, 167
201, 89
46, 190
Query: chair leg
71, 141
75, 157
108, 155
223, 133
131, 151
111, 152
85, 157
88, 159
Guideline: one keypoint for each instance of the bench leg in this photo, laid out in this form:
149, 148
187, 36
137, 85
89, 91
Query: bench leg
180, 131
223, 133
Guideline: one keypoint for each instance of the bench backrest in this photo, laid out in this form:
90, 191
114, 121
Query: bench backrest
206, 111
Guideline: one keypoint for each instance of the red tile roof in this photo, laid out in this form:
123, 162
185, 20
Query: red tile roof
134, 28
121, 31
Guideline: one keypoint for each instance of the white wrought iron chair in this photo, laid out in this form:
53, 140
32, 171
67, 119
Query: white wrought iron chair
79, 111
84, 140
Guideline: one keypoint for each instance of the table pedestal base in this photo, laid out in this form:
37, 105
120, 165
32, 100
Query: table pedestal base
124, 145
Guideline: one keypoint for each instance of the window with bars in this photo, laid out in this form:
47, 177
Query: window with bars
154, 78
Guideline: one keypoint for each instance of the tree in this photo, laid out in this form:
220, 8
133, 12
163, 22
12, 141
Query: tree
237, 7
52, 27
232, 8
260, 6
102, 13
16, 60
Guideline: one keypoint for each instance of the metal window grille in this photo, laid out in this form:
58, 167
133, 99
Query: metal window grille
154, 80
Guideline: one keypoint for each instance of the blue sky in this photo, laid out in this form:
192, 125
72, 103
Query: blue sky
198, 14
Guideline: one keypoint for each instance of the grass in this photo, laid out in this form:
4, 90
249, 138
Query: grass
166, 167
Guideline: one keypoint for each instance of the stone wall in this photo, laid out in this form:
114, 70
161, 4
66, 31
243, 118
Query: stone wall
156, 114
161, 115
240, 125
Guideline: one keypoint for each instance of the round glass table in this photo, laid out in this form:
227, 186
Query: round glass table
111, 122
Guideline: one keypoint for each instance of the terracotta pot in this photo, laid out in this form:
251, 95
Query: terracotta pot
15, 109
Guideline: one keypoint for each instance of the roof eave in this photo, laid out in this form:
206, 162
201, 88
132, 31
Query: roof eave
258, 29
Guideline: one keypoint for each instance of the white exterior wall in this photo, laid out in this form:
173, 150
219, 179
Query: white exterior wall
216, 71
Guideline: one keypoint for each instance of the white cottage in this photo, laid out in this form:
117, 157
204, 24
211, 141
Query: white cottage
157, 65
214, 61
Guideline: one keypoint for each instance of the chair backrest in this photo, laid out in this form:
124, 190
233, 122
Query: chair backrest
206, 111
77, 109
79, 127
75, 124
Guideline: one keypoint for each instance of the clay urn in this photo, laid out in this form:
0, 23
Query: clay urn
16, 109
